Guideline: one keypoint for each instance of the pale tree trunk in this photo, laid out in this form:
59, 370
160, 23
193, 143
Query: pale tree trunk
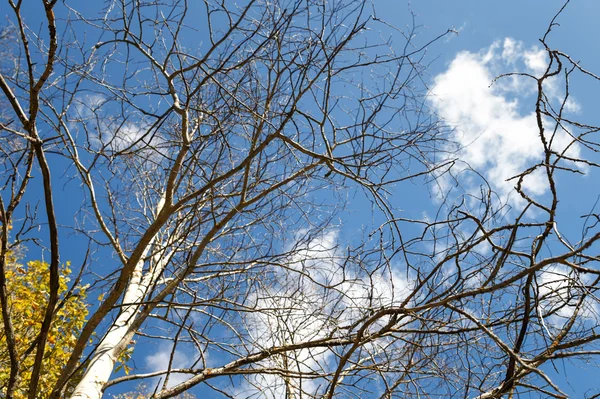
105, 356
102, 362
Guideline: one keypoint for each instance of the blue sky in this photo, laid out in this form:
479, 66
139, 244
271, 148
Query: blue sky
484, 27
492, 38
495, 38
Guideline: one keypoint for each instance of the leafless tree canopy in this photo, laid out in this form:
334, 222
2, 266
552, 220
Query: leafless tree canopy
211, 147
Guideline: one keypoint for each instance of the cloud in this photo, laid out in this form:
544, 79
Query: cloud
94, 115
159, 361
87, 104
495, 128
128, 135
560, 290
318, 293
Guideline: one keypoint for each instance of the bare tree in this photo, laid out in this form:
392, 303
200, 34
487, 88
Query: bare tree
212, 147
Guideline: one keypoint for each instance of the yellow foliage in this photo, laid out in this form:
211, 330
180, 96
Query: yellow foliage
29, 291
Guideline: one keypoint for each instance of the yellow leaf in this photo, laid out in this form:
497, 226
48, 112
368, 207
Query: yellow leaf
28, 291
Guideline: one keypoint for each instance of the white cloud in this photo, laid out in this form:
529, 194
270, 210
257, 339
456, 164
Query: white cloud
560, 290
128, 135
317, 293
495, 126
87, 104
104, 131
159, 361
